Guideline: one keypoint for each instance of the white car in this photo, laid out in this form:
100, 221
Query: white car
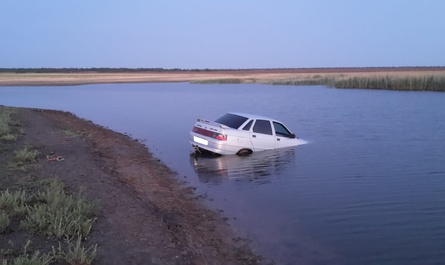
241, 134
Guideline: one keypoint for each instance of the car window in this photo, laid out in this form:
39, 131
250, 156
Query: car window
280, 130
231, 120
248, 125
262, 126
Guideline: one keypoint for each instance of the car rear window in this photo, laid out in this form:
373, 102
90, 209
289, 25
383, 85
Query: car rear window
231, 120
248, 125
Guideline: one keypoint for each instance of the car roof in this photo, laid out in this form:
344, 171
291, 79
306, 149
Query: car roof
252, 116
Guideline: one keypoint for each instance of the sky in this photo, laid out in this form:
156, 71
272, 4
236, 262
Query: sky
230, 34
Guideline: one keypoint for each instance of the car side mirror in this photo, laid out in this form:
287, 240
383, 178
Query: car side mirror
294, 136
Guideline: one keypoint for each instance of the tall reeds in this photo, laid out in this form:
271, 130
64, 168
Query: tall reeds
390, 81
316, 81
411, 83
220, 81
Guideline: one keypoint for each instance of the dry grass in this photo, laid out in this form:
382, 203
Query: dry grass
244, 76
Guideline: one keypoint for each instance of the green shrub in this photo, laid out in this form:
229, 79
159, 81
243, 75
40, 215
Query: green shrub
14, 203
75, 134
24, 155
50, 212
36, 258
9, 137
76, 253
60, 215
4, 123
4, 221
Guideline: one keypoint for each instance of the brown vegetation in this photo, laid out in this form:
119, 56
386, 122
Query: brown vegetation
240, 76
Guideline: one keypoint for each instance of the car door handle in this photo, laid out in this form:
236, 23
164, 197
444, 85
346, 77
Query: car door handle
253, 135
278, 139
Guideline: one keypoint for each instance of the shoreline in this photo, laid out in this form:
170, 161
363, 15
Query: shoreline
147, 215
262, 76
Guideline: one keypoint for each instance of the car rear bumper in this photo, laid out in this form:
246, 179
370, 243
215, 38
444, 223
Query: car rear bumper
209, 144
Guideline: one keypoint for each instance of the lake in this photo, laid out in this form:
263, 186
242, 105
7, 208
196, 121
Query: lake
368, 188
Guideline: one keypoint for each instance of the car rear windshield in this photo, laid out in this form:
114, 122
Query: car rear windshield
232, 120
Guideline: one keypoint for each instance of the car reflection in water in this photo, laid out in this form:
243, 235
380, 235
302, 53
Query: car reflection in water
259, 168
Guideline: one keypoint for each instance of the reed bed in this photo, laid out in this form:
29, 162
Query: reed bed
430, 83
327, 81
409, 81
220, 81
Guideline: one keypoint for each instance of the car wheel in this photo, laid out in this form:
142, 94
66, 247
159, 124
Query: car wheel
244, 152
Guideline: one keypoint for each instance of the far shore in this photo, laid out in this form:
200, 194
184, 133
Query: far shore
266, 76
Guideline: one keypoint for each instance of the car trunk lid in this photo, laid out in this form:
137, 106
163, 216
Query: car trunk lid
210, 129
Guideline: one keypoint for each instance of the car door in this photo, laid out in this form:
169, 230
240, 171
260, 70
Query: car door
262, 136
284, 137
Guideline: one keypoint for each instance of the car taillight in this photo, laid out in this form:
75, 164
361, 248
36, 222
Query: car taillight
221, 137
217, 136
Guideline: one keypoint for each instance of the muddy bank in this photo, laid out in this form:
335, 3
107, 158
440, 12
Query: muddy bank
146, 215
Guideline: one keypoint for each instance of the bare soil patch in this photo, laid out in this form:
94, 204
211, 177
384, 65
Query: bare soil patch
146, 215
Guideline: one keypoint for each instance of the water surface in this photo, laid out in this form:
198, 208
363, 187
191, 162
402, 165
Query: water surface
368, 188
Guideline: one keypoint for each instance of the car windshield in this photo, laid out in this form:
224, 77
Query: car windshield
232, 120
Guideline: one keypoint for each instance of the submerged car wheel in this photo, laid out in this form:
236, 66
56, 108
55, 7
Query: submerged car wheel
244, 152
